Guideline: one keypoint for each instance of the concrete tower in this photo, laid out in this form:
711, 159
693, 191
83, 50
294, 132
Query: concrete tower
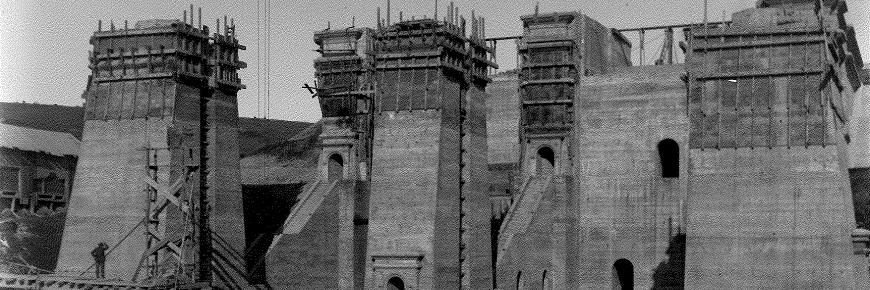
153, 86
429, 207
599, 206
345, 70
769, 195
550, 66
323, 240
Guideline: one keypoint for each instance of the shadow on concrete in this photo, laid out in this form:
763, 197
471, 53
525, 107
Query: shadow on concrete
670, 274
266, 206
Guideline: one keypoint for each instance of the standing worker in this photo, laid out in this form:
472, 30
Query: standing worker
99, 254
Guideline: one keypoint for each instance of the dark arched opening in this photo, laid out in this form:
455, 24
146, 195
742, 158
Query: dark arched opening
623, 275
546, 160
396, 283
335, 167
669, 154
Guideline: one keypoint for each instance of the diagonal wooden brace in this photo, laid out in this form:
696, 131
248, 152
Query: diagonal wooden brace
167, 195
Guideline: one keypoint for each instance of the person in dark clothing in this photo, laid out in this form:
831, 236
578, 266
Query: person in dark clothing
99, 254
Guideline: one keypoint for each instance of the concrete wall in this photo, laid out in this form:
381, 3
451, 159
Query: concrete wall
769, 218
595, 42
475, 191
859, 126
406, 178
313, 253
109, 196
106, 200
778, 215
622, 207
615, 204
503, 147
534, 250
502, 118
109, 192
225, 192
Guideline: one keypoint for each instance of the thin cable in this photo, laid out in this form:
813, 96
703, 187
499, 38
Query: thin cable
266, 19
266, 51
266, 59
646, 41
268, 74
653, 57
263, 81
270, 60
258, 58
269, 63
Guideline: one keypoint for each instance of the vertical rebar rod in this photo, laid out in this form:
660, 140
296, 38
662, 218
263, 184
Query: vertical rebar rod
705, 13
642, 34
203, 223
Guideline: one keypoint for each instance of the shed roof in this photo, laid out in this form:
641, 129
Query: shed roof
28, 139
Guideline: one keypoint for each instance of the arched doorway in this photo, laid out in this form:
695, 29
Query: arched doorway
546, 161
335, 167
396, 283
623, 275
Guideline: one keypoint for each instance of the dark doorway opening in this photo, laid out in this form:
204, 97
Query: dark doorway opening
396, 283
669, 154
623, 275
335, 167
546, 160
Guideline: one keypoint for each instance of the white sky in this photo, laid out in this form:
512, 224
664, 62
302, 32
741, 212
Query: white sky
44, 44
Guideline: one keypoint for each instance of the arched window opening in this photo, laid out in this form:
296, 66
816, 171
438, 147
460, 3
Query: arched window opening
520, 280
335, 167
546, 160
623, 275
396, 283
669, 154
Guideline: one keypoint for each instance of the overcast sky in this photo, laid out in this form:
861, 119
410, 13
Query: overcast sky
44, 44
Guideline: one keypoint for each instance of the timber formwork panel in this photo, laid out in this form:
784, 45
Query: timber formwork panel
549, 68
758, 90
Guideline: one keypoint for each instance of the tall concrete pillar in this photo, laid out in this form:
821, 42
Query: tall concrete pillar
769, 202
143, 116
338, 197
345, 72
427, 225
550, 67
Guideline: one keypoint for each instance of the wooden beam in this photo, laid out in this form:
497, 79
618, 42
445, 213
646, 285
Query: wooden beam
673, 26
503, 38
